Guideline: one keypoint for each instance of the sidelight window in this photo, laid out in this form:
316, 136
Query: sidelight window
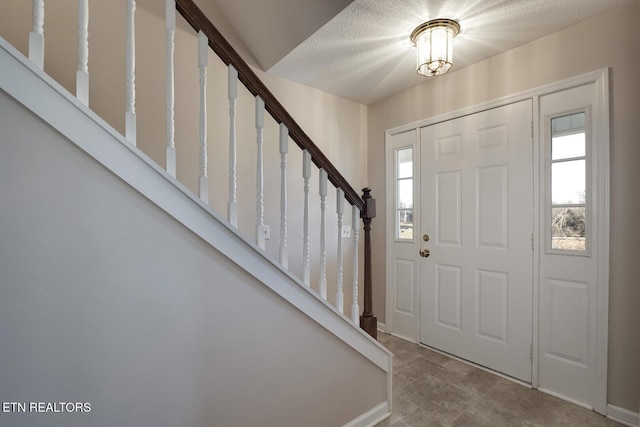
568, 183
404, 193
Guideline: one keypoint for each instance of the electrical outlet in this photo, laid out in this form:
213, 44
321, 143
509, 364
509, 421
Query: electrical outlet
346, 231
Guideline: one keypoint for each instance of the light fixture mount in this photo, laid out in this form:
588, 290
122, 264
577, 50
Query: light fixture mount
433, 40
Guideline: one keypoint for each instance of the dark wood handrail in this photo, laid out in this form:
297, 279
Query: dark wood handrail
199, 21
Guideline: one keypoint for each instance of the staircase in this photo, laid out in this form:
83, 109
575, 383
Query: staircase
156, 294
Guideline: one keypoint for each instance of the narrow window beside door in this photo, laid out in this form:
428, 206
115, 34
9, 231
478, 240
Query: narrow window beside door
404, 193
568, 204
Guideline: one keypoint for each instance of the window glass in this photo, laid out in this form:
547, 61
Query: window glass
568, 182
568, 146
568, 228
568, 186
405, 224
568, 124
405, 162
404, 193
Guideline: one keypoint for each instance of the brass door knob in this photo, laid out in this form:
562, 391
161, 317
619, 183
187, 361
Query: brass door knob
424, 253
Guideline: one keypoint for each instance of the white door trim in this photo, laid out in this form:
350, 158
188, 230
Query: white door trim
602, 132
601, 114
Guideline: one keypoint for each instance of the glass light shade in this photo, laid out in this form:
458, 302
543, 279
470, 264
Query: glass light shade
434, 45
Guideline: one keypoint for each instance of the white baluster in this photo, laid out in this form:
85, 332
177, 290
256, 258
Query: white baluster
232, 210
284, 147
306, 263
340, 212
36, 36
82, 74
203, 61
261, 230
170, 27
355, 228
322, 286
130, 123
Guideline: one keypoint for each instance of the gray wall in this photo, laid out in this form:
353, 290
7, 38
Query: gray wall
106, 299
610, 40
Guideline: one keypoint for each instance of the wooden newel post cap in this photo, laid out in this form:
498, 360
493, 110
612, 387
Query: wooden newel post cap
370, 204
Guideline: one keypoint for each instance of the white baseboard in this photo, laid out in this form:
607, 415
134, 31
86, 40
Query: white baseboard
623, 416
382, 327
371, 417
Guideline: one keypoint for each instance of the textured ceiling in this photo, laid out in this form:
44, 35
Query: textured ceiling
362, 51
273, 28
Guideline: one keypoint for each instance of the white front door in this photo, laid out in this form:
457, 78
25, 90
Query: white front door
476, 208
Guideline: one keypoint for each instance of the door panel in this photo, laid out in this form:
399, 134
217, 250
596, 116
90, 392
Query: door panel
448, 287
405, 286
492, 293
569, 308
477, 202
492, 207
449, 192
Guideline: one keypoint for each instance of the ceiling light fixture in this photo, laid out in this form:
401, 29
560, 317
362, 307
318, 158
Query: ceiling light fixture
434, 42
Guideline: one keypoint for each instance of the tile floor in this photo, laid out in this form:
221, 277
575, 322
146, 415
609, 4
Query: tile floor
430, 389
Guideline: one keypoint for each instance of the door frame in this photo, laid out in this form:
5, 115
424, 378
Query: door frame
600, 78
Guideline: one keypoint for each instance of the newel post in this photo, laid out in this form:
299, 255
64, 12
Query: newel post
368, 320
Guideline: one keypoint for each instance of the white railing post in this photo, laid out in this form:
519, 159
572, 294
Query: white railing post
261, 230
306, 262
203, 62
130, 118
355, 227
232, 209
284, 148
82, 74
340, 212
322, 286
36, 36
170, 27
